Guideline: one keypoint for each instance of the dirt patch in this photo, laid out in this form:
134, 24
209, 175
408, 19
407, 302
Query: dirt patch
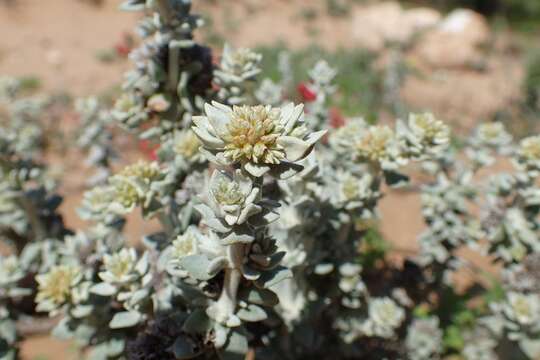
58, 42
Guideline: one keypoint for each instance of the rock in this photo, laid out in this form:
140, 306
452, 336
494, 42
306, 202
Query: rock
374, 26
455, 42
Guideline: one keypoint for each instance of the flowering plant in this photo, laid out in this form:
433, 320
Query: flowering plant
267, 243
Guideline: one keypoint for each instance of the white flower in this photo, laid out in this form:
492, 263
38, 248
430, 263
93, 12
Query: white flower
492, 134
132, 186
384, 317
186, 145
55, 287
259, 138
342, 139
269, 92
322, 74
378, 145
185, 244
425, 135
523, 308
233, 199
96, 202
119, 268
10, 270
480, 349
480, 344
528, 155
240, 64
354, 192
424, 339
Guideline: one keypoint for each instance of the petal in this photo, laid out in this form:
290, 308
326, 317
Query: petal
217, 118
290, 115
316, 136
208, 139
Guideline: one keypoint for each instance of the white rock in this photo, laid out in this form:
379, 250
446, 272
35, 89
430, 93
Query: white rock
375, 25
455, 42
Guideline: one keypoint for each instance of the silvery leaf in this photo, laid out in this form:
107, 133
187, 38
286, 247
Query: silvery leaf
81, 311
103, 289
197, 323
125, 319
252, 313
197, 266
184, 348
274, 276
236, 347
258, 296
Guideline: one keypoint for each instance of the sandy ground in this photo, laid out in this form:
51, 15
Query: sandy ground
58, 41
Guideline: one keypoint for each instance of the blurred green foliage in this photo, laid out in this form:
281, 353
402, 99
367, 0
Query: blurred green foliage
532, 81
359, 86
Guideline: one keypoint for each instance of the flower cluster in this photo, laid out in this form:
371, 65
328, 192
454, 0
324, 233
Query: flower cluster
253, 241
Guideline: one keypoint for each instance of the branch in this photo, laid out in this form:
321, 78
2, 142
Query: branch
29, 326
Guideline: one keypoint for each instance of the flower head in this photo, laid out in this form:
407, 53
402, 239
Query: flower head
424, 339
354, 191
142, 170
233, 198
425, 135
186, 144
132, 186
10, 270
269, 92
492, 134
378, 144
322, 74
55, 287
384, 317
242, 63
258, 138
528, 154
523, 308
184, 245
119, 268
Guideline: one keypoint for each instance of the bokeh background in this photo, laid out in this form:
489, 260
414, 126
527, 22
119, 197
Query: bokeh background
465, 60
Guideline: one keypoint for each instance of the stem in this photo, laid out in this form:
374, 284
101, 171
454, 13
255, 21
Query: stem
164, 10
38, 229
227, 300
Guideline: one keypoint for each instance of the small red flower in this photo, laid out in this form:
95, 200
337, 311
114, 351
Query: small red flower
124, 45
307, 94
149, 149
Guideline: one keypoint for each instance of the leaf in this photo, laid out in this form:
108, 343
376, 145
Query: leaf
81, 311
125, 319
453, 339
115, 347
531, 347
197, 266
236, 347
184, 348
252, 313
156, 241
103, 289
395, 179
238, 236
274, 276
197, 323
262, 297
62, 330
